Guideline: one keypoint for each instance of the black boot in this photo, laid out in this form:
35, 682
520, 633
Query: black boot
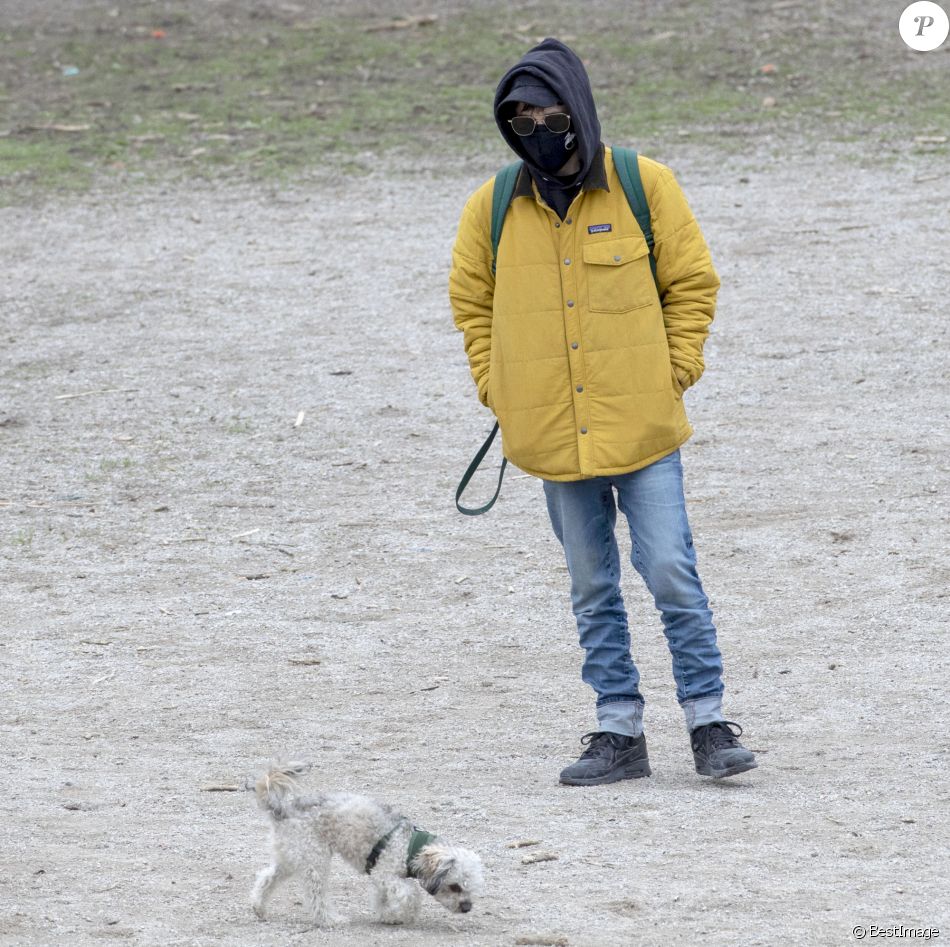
717, 752
609, 757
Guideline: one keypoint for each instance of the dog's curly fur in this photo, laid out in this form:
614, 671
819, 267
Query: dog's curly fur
307, 830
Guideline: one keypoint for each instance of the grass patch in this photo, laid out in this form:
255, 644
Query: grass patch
109, 466
23, 537
239, 426
267, 95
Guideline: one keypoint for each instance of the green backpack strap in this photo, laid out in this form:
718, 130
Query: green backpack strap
628, 170
501, 197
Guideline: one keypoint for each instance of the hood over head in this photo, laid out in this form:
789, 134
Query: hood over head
551, 67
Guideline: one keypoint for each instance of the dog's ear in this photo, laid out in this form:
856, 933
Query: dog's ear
435, 882
433, 865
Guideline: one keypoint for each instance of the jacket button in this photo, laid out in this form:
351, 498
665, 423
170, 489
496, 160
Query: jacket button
567, 262
573, 345
557, 223
616, 259
583, 430
580, 388
570, 304
568, 220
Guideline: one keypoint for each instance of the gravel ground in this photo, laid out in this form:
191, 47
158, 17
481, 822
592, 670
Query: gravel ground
194, 582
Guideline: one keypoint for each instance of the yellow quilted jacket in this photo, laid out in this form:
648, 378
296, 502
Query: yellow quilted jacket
568, 343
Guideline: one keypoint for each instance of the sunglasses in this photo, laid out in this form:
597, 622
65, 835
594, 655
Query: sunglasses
556, 122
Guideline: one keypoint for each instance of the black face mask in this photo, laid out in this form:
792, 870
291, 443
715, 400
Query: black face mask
548, 151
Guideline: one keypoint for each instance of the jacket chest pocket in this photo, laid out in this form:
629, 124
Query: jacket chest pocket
618, 275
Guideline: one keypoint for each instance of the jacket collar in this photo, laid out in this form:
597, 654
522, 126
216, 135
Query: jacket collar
596, 177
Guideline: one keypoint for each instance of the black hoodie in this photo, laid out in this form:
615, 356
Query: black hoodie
561, 69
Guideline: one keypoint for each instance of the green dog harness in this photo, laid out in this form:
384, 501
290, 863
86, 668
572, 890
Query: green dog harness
417, 841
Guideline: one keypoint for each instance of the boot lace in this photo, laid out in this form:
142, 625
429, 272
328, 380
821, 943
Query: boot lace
598, 743
721, 735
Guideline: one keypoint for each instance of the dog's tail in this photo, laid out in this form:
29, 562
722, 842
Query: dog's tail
277, 788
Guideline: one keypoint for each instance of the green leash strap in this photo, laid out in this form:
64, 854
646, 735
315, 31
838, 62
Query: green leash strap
472, 467
502, 191
628, 170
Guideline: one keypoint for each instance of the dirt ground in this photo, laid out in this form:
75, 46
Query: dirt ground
193, 582
232, 420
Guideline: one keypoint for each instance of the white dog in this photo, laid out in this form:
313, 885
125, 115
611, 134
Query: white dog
308, 829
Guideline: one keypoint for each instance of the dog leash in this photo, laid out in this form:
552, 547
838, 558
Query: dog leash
472, 467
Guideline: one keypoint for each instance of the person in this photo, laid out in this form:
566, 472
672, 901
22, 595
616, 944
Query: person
584, 359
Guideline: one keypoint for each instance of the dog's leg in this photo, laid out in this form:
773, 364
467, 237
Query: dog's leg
316, 884
395, 900
264, 886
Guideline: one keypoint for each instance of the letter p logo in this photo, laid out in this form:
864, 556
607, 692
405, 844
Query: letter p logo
924, 26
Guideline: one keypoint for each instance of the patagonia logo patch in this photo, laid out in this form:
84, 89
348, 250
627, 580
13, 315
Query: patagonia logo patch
600, 228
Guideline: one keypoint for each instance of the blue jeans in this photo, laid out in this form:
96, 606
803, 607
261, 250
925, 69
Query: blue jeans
583, 514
